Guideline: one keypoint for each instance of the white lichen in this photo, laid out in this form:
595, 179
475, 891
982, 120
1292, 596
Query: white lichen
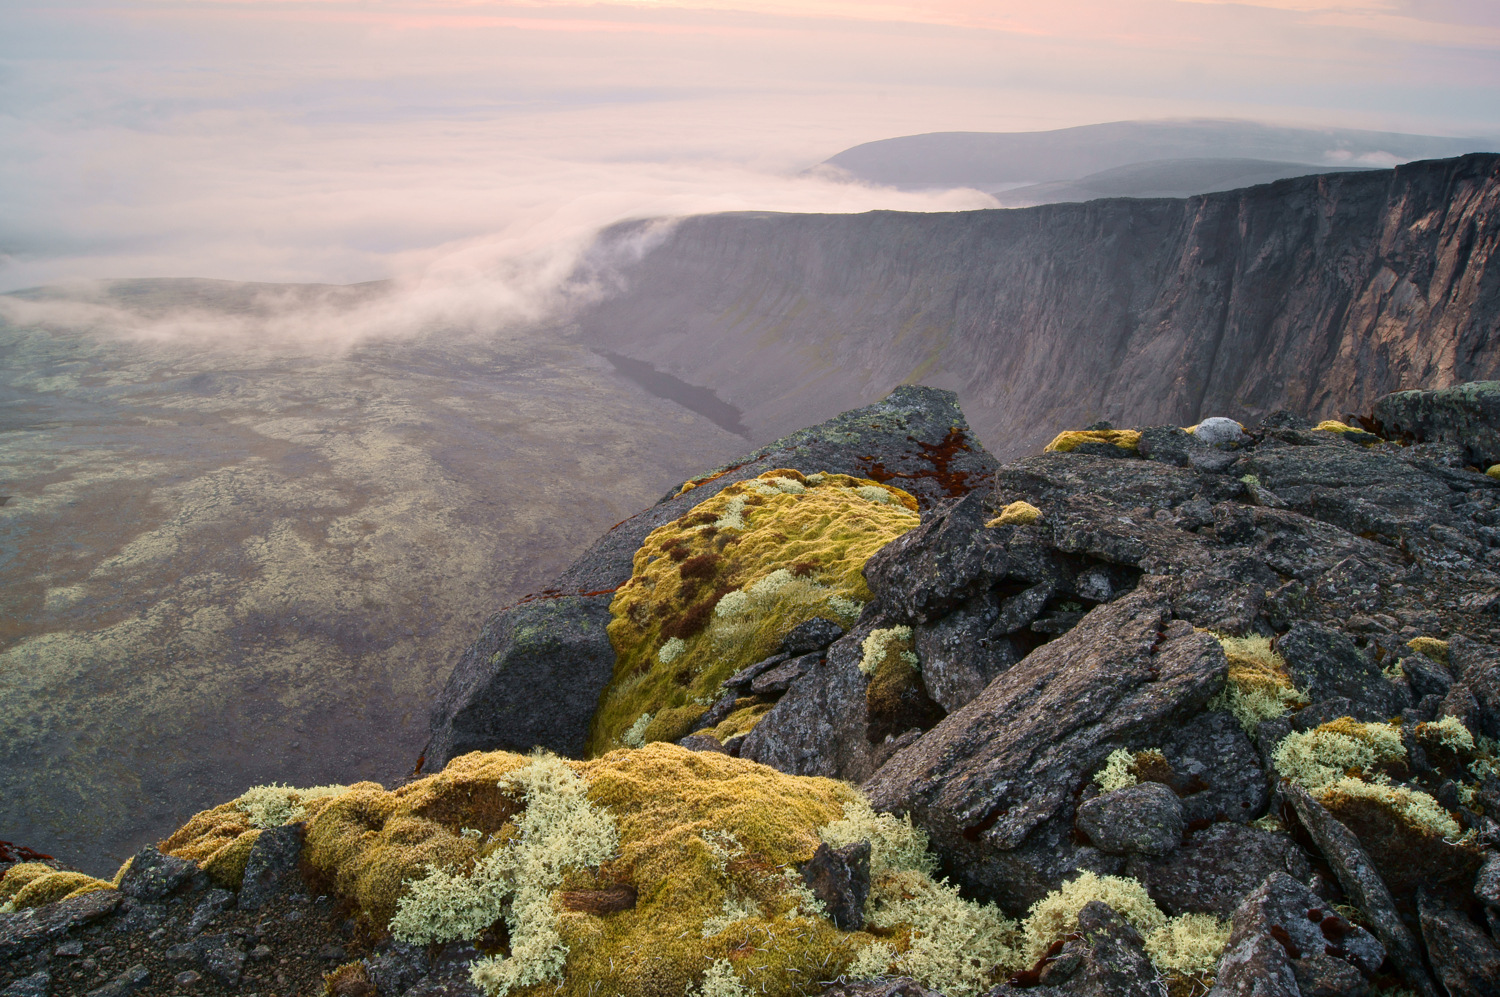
1118, 771
275, 805
635, 736
671, 650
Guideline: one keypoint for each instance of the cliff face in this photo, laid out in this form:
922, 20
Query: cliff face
1317, 294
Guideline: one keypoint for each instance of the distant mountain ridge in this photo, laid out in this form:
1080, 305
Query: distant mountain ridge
987, 159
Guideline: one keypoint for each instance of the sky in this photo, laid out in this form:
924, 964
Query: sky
446, 140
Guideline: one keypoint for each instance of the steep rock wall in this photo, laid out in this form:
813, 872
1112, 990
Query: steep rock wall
1317, 294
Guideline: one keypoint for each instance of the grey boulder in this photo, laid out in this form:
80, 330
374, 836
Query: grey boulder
152, 875
1462, 955
1466, 414
272, 865
532, 679
1145, 818
1326, 663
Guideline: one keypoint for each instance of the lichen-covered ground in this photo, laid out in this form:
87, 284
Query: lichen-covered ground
223, 567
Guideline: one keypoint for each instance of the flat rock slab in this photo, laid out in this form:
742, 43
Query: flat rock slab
996, 771
28, 929
1217, 867
1467, 414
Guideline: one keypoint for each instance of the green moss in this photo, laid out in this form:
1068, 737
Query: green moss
718, 588
1433, 648
674, 724
895, 699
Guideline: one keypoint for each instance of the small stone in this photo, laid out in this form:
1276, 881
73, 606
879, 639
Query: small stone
223, 959
71, 947
1219, 430
127, 982
1146, 818
213, 903
702, 742
1487, 883
780, 678
186, 952
331, 952
840, 878
187, 978
260, 953
811, 635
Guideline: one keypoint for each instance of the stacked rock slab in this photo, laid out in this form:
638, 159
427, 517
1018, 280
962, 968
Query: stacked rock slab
534, 676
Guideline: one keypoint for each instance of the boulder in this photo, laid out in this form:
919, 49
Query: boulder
134, 978
780, 678
1219, 431
1487, 883
1145, 819
924, 574
38, 984
915, 438
1477, 666
1427, 677
1217, 867
1217, 772
994, 783
821, 725
532, 679
1464, 958
1326, 663
1286, 941
272, 865
1466, 414
153, 875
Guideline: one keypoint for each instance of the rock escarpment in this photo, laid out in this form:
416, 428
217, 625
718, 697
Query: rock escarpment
1317, 295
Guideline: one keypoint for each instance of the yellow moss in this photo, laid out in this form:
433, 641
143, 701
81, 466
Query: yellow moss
208, 833
1017, 514
226, 867
20, 874
1259, 686
1334, 426
718, 588
674, 724
1493, 471
53, 887
1431, 647
1125, 439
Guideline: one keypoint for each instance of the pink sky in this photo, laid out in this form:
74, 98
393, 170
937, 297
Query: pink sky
350, 139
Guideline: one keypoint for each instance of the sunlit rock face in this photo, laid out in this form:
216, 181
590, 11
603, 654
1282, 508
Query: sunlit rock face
1317, 295
224, 566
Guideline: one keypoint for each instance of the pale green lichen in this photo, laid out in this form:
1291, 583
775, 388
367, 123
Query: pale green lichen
1449, 732
878, 644
635, 735
1188, 944
1339, 762
874, 493
1118, 771
671, 650
720, 980
275, 805
735, 908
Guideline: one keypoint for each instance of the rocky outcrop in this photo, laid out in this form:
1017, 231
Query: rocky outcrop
1464, 415
535, 675
1318, 295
